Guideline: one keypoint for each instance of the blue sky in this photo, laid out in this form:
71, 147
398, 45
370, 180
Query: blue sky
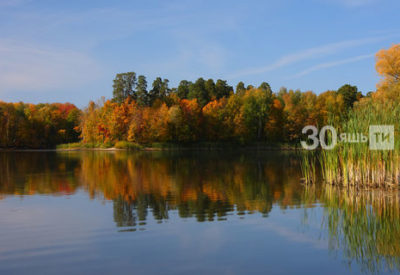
71, 50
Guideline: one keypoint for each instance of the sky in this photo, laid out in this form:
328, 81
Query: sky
70, 51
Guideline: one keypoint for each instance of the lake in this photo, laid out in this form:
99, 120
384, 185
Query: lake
185, 212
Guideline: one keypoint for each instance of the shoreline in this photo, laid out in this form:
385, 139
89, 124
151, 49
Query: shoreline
166, 148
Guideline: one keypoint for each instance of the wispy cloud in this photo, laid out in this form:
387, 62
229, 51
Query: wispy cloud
353, 3
69, 36
332, 64
34, 68
12, 3
311, 53
194, 53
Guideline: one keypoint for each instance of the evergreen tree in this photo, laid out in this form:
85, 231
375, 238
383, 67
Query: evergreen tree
210, 87
155, 92
350, 94
240, 88
265, 88
159, 91
198, 90
183, 89
142, 96
222, 89
124, 86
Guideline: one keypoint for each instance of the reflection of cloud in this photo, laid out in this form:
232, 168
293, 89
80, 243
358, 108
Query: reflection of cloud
333, 64
212, 239
290, 235
295, 236
207, 241
43, 227
24, 67
308, 54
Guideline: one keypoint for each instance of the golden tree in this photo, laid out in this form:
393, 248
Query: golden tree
388, 66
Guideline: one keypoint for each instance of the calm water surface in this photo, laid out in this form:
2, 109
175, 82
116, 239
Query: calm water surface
187, 212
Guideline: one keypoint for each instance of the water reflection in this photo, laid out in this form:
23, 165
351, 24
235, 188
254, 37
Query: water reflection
38, 173
363, 224
205, 186
363, 227
195, 185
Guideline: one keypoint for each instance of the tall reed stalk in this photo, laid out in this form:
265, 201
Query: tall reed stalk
308, 168
354, 163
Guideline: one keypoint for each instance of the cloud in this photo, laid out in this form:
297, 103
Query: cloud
198, 50
13, 3
353, 3
53, 49
332, 64
307, 54
37, 68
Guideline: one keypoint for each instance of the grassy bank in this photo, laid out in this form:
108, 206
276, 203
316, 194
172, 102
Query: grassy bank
125, 145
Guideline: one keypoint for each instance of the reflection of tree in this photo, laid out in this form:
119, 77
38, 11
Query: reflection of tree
205, 186
123, 213
365, 225
37, 173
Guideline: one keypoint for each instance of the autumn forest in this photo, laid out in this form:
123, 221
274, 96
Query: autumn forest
199, 111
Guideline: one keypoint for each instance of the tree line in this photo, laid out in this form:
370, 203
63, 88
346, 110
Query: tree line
208, 110
204, 110
25, 125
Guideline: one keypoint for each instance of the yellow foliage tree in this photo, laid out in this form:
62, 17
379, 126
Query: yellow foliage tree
388, 66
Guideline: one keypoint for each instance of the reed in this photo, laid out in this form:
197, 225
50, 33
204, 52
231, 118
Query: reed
353, 163
308, 168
